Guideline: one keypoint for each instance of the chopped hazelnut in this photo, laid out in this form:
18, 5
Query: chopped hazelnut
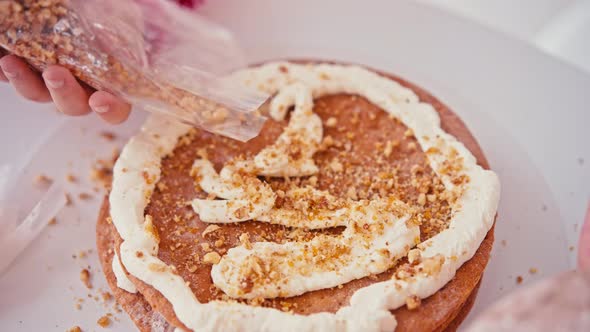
85, 278
206, 246
351, 193
245, 240
109, 136
422, 199
104, 321
71, 178
210, 229
84, 196
336, 166
413, 302
211, 258
331, 122
414, 256
43, 181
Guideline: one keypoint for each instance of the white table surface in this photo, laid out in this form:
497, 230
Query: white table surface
528, 110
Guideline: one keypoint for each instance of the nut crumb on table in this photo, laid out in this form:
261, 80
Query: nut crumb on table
85, 278
106, 296
42, 181
75, 329
104, 321
71, 178
68, 199
84, 196
108, 135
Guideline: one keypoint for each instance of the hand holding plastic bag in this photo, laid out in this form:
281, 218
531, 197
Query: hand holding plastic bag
151, 53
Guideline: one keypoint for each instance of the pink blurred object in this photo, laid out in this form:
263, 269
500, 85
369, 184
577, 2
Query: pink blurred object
561, 303
189, 3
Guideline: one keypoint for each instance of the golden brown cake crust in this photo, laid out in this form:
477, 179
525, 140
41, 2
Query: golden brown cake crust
133, 303
435, 313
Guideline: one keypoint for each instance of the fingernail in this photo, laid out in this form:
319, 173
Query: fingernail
54, 84
9, 74
100, 109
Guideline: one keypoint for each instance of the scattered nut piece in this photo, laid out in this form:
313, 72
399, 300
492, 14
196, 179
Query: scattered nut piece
109, 136
106, 296
211, 258
388, 148
331, 122
157, 267
150, 228
414, 256
206, 246
351, 193
68, 199
104, 321
336, 166
422, 199
43, 181
75, 329
210, 229
245, 240
413, 302
84, 196
85, 278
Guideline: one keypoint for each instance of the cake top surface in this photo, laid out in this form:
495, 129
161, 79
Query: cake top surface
352, 194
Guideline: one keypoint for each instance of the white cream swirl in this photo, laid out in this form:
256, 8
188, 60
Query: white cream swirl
123, 281
245, 196
377, 235
473, 212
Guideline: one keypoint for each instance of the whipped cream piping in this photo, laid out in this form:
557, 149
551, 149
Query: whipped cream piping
375, 238
304, 132
473, 212
123, 281
245, 196
305, 215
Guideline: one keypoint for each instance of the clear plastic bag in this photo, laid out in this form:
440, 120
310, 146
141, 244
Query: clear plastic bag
24, 213
151, 53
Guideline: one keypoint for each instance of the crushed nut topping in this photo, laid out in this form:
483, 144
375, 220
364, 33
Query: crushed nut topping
211, 258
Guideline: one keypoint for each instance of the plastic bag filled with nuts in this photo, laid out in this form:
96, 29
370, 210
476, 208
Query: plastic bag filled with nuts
152, 53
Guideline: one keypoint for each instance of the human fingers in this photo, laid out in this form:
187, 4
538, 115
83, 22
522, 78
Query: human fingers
110, 108
67, 93
24, 80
